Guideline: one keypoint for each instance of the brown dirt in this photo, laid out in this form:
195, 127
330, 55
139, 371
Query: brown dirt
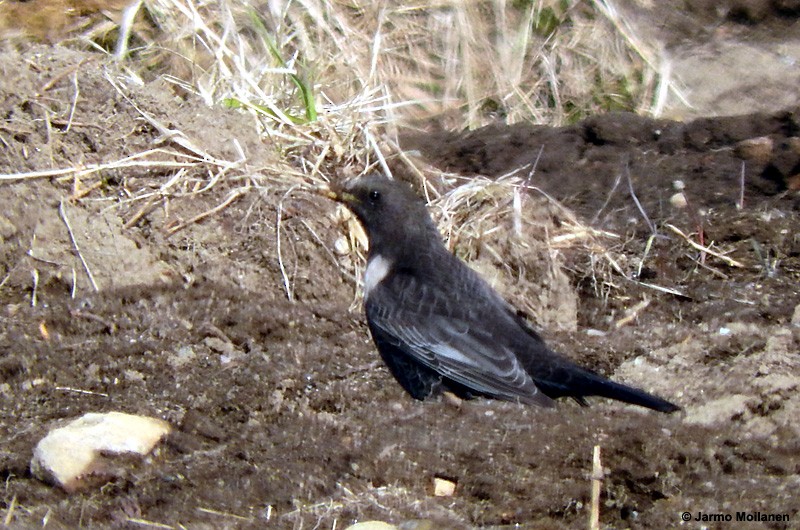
284, 411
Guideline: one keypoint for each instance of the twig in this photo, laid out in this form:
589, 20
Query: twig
647, 249
110, 326
374, 145
223, 514
74, 105
597, 480
535, 164
636, 201
10, 512
709, 268
632, 313
81, 193
43, 260
730, 261
233, 196
517, 212
586, 230
63, 215
144, 210
151, 524
74, 290
616, 267
49, 130
152, 199
35, 274
608, 198
287, 286
127, 162
517, 201
63, 123
81, 391
125, 30
61, 75
740, 202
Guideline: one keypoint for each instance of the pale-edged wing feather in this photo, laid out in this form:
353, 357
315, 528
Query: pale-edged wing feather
449, 328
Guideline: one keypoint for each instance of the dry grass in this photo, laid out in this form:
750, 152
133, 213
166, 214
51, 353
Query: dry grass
330, 84
464, 63
332, 81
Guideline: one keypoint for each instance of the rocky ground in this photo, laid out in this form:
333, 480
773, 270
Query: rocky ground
260, 358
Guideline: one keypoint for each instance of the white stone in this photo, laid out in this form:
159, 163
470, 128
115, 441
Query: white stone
372, 525
443, 487
341, 246
77, 454
678, 200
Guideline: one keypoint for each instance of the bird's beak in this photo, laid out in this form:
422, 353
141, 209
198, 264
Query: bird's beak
337, 194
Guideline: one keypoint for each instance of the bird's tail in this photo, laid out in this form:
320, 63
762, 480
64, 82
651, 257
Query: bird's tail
580, 383
609, 389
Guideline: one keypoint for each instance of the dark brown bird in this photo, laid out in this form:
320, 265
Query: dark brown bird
439, 326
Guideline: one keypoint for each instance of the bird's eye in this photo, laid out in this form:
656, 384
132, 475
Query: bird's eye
374, 196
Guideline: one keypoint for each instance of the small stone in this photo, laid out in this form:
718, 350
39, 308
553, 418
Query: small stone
7, 228
678, 200
443, 487
341, 246
793, 182
756, 149
183, 356
81, 453
372, 525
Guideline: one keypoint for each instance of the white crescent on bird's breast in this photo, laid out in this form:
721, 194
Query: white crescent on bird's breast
377, 269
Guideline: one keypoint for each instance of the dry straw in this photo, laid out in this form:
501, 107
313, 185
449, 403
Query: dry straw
329, 84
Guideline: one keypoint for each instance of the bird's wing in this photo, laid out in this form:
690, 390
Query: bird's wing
447, 335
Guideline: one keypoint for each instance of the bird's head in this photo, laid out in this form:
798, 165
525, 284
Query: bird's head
393, 217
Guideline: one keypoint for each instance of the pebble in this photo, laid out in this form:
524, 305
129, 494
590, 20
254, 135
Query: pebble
372, 525
678, 200
341, 246
81, 453
756, 149
443, 487
7, 228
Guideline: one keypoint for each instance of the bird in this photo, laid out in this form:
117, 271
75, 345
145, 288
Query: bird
439, 327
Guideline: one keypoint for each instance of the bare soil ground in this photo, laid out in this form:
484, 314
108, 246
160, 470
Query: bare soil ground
286, 418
